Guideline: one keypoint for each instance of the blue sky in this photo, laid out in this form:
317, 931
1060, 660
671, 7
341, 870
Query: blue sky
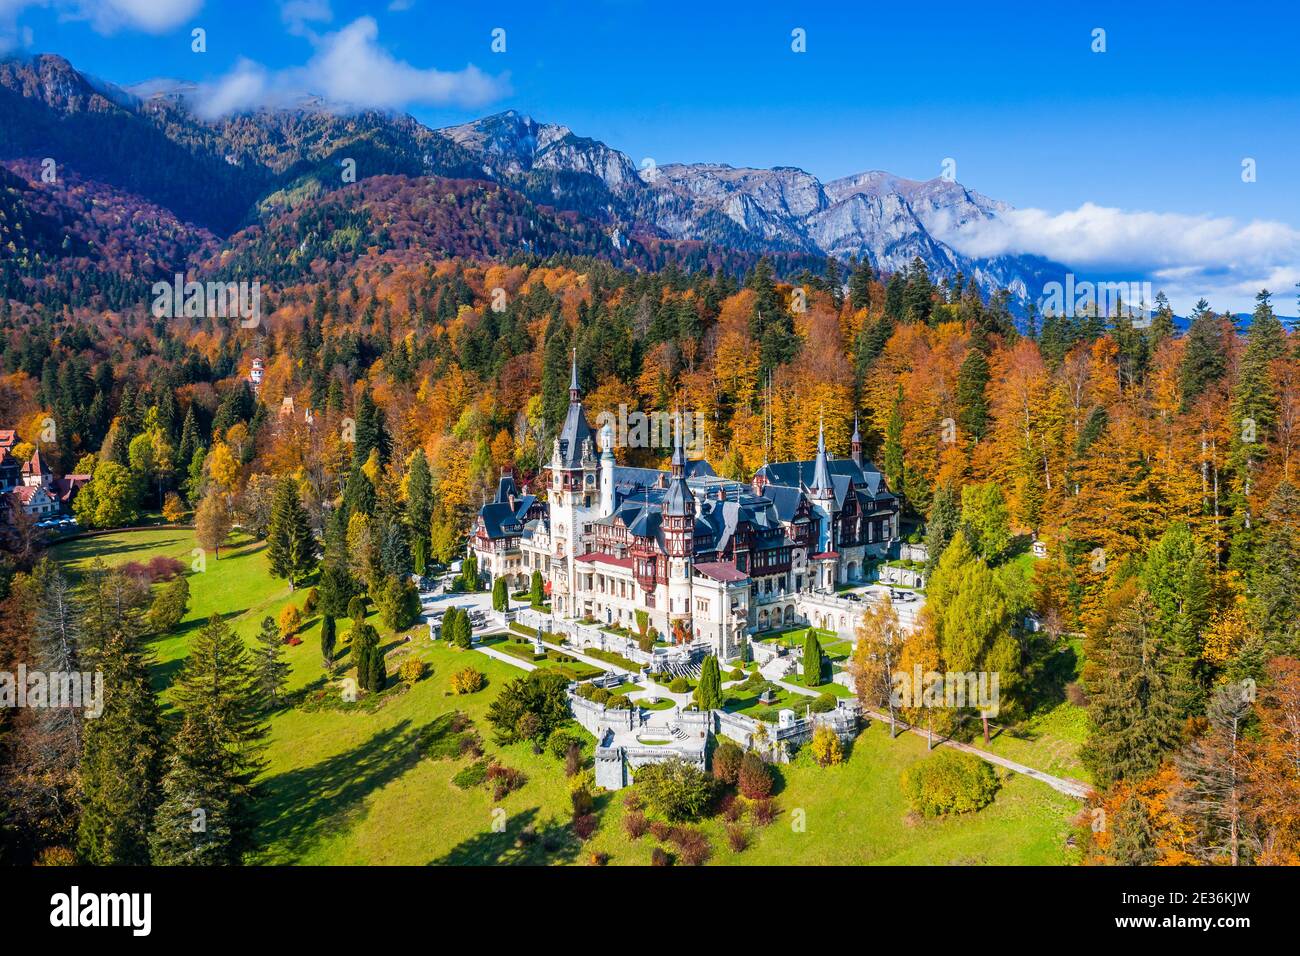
1131, 157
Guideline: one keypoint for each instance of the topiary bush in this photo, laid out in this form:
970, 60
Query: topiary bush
949, 781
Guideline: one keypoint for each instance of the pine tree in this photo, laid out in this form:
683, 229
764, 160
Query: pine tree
1276, 573
1132, 717
894, 468
1177, 577
291, 546
328, 637
121, 762
271, 667
972, 402
1213, 769
1132, 837
201, 820
217, 692
419, 503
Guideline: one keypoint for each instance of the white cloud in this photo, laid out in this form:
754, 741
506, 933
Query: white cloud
149, 16
244, 87
1220, 258
105, 16
351, 69
297, 14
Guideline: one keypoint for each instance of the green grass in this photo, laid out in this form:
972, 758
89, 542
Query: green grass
856, 813
572, 668
349, 785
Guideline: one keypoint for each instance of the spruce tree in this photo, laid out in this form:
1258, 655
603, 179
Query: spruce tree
271, 667
894, 467
1132, 716
419, 502
328, 638
291, 546
860, 285
200, 821
943, 523
121, 762
1177, 577
972, 402
216, 755
1132, 837
1205, 356
1276, 573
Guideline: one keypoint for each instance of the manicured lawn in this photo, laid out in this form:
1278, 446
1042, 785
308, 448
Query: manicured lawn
351, 786
857, 813
570, 667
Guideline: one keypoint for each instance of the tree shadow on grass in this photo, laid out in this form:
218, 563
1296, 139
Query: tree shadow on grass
522, 842
300, 807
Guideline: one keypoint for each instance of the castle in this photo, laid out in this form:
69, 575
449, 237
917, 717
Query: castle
703, 558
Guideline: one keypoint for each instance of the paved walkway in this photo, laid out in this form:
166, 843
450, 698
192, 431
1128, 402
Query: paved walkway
1066, 785
507, 658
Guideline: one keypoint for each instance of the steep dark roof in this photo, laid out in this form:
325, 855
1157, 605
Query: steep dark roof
574, 436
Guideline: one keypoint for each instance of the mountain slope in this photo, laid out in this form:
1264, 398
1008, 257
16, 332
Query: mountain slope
227, 174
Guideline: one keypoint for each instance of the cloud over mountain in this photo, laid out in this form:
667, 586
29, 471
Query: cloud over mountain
352, 70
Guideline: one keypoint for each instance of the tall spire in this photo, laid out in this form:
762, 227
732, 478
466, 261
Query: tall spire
573, 378
679, 452
821, 473
856, 442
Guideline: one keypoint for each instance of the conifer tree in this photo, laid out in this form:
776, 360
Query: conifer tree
1205, 357
972, 402
860, 285
708, 693
1276, 573
328, 638
419, 503
291, 546
894, 467
121, 761
1132, 716
1132, 837
1177, 577
812, 659
216, 755
500, 599
271, 667
200, 822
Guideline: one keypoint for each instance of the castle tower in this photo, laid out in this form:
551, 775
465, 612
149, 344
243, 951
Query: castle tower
857, 442
822, 494
679, 535
606, 470
573, 495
